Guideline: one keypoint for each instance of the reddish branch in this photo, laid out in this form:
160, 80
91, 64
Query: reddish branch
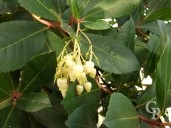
153, 122
50, 24
103, 88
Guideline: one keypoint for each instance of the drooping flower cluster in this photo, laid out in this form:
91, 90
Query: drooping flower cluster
71, 68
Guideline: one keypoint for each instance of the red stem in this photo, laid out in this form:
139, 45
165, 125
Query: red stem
153, 122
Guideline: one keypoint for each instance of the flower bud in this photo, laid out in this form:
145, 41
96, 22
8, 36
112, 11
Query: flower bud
92, 74
89, 65
88, 86
81, 77
63, 92
72, 76
78, 68
79, 89
62, 83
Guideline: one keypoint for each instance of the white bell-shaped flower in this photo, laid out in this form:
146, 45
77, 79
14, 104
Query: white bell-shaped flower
92, 74
81, 77
62, 83
88, 86
79, 89
63, 92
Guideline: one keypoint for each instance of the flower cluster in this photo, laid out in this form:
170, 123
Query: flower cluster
71, 68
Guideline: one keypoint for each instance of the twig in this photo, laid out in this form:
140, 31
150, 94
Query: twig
103, 88
153, 122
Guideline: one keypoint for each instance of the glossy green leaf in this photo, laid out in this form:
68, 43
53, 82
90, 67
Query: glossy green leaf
112, 8
54, 43
96, 24
33, 102
118, 58
38, 72
121, 113
162, 14
72, 100
17, 39
127, 34
81, 118
42, 8
9, 118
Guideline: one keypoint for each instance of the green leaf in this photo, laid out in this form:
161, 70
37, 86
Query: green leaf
74, 8
33, 102
54, 43
53, 117
154, 28
81, 118
162, 14
96, 24
72, 100
141, 51
118, 58
121, 113
38, 72
153, 45
6, 89
59, 6
28, 121
5, 103
163, 76
8, 5
148, 95
50, 118
9, 118
127, 34
17, 39
6, 85
112, 8
155, 6
42, 8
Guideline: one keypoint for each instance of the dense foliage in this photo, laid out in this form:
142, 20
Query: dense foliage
65, 62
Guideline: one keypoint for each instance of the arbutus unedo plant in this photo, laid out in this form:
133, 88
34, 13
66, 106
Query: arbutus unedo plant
82, 63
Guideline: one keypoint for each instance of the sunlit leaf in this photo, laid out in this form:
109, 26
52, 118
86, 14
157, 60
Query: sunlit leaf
96, 24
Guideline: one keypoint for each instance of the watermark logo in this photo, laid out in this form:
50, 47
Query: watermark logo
153, 110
